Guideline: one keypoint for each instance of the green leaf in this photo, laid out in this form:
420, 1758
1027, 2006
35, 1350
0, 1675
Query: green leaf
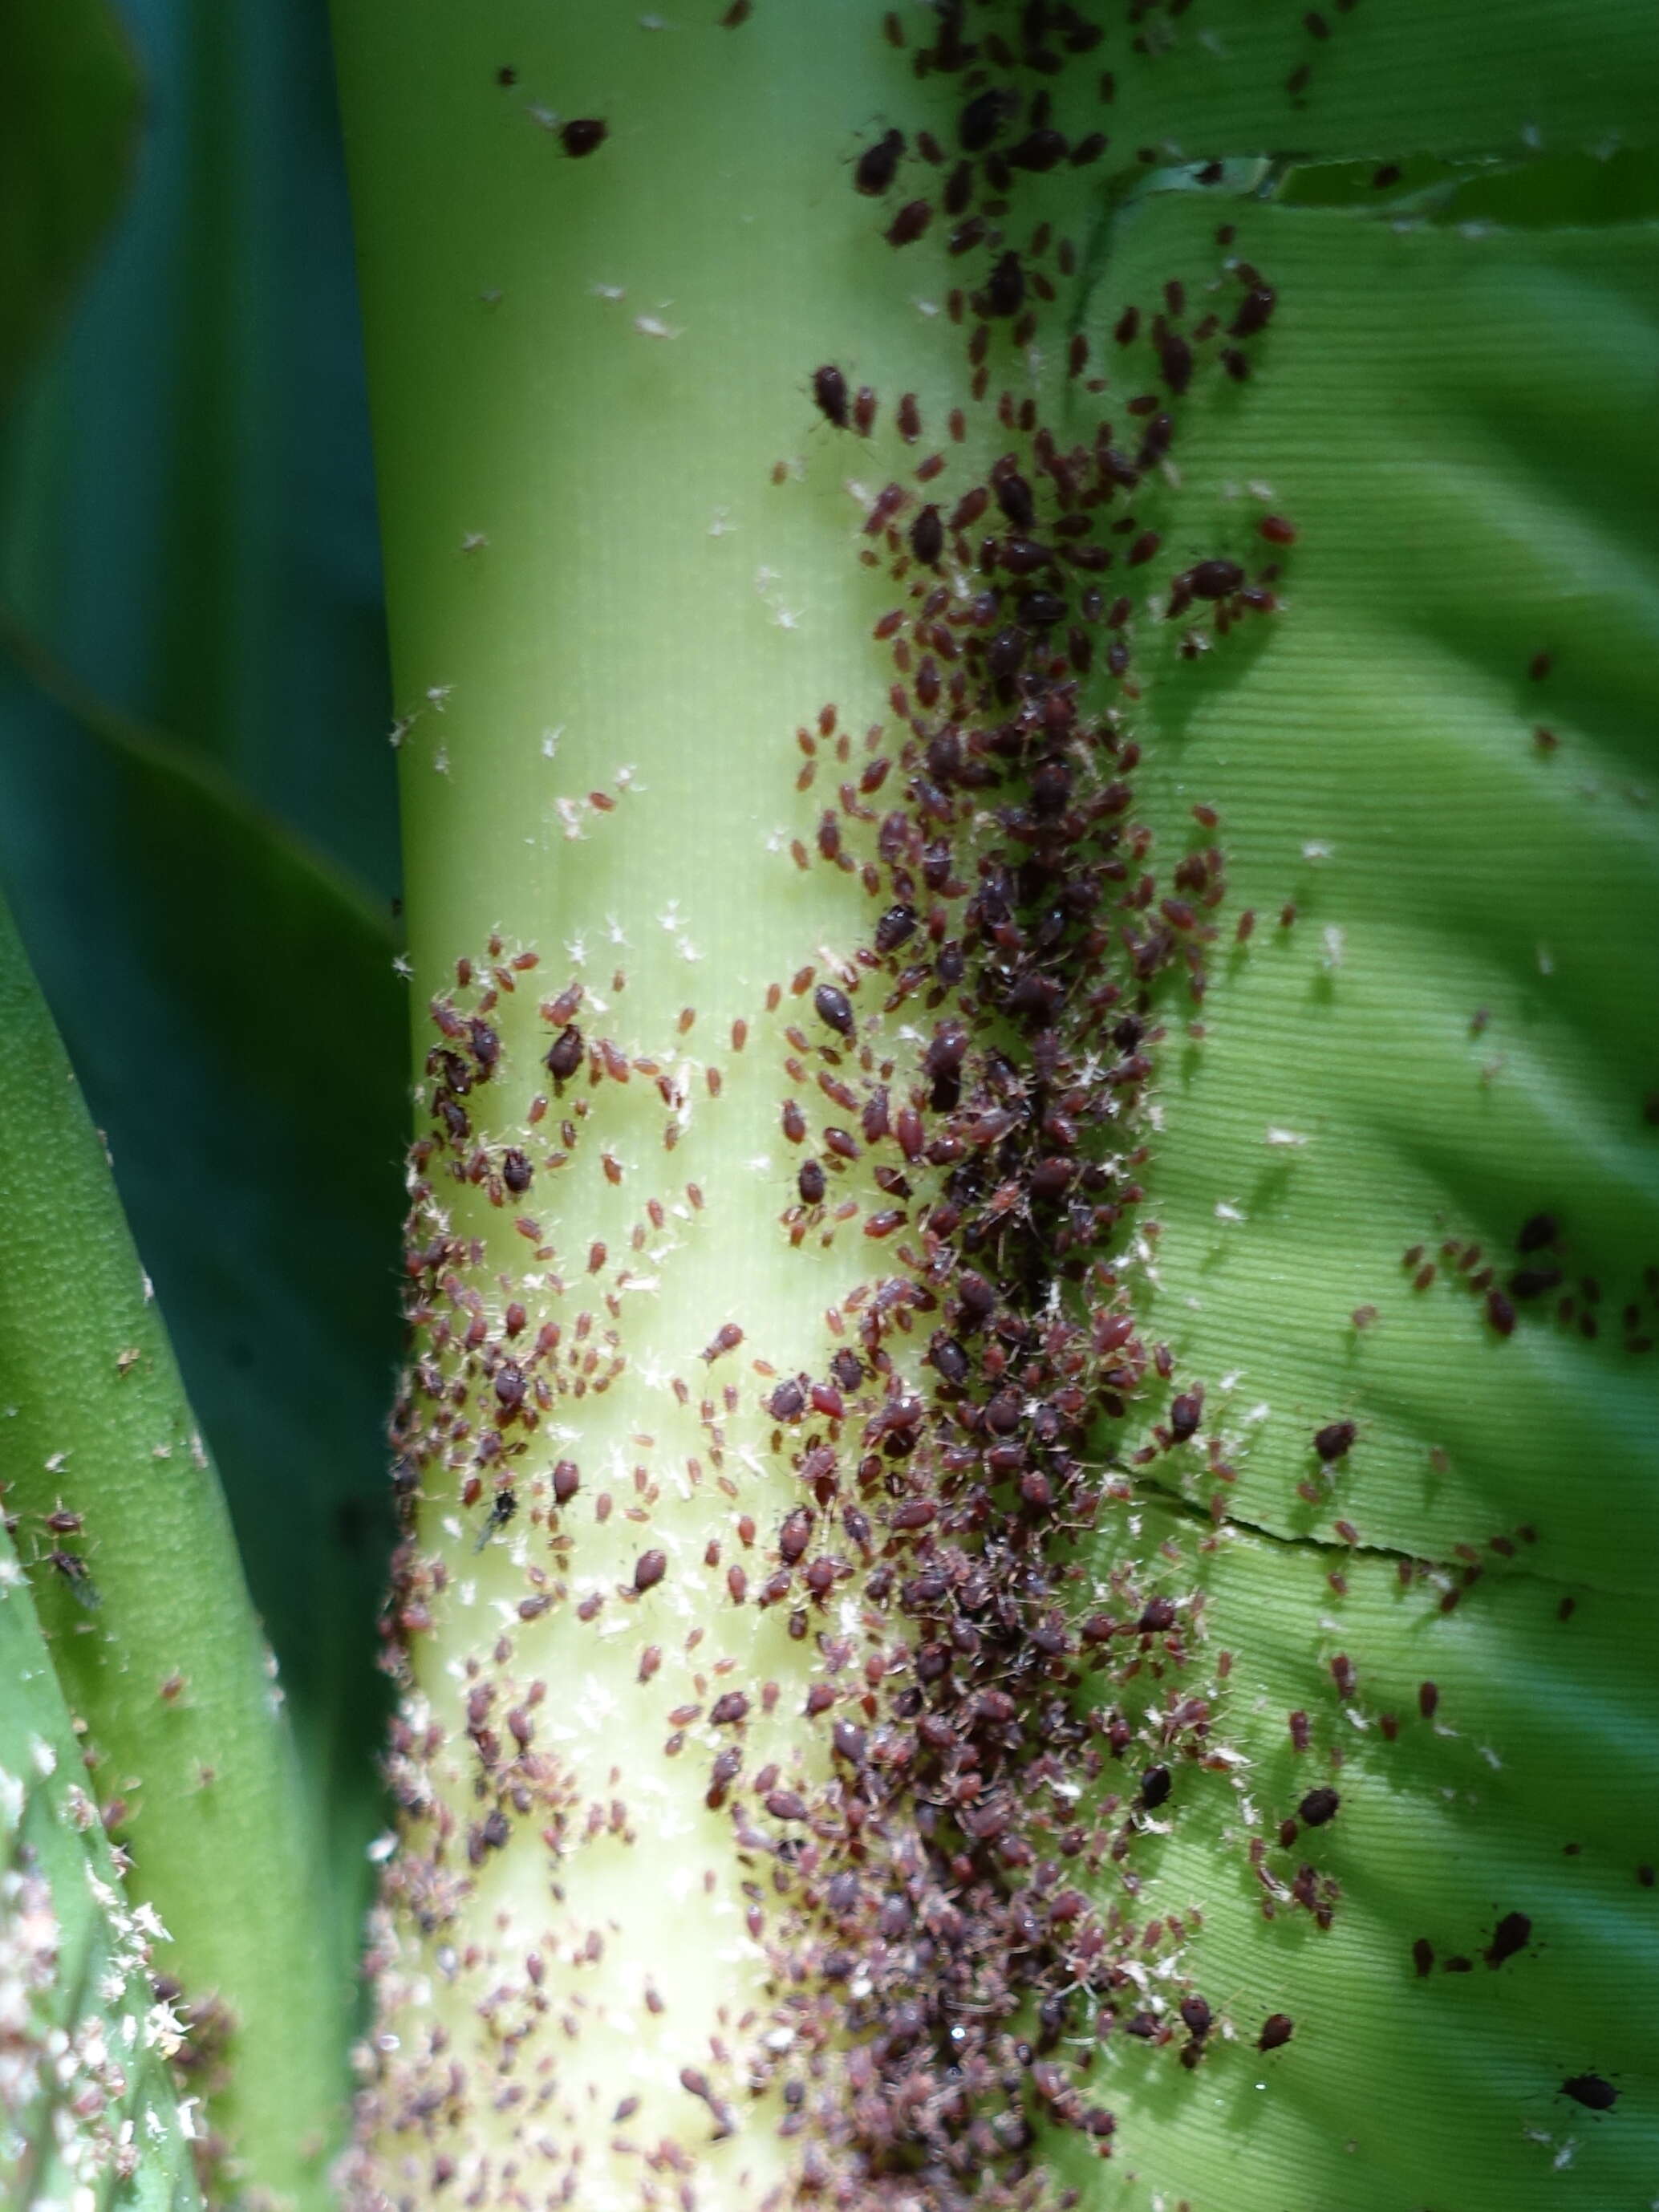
142, 1598
69, 102
1387, 79
1448, 1046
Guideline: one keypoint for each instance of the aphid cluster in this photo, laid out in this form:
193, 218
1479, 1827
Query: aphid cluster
946, 1895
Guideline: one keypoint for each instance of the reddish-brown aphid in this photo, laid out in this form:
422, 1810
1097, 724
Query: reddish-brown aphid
1332, 1442
648, 1570
1276, 2031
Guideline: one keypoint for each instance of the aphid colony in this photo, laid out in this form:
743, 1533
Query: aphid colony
945, 1893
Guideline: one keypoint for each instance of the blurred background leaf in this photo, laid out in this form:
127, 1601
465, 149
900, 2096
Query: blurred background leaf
198, 817
69, 113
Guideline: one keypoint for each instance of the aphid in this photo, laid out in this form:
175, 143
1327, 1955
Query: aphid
1214, 579
565, 1055
834, 1009
1186, 1411
1254, 311
928, 536
648, 1571
979, 122
879, 164
1512, 1934
788, 1402
1005, 287
1156, 1784
1318, 1807
829, 392
583, 135
896, 927
1332, 1441
811, 1182
1591, 2090
864, 411
729, 1709
1423, 1957
910, 223
727, 1338
1276, 2031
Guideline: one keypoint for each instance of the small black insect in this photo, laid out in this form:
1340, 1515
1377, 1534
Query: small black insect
502, 1507
584, 135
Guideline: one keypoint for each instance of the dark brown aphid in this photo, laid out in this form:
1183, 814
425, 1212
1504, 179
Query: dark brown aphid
1254, 311
1156, 1784
788, 1402
1186, 1411
1318, 1807
1196, 2016
1542, 1229
1591, 2090
565, 1055
1276, 2031
978, 125
1423, 1957
1512, 1934
835, 1009
648, 1570
1214, 579
583, 135
864, 411
1332, 1442
879, 164
811, 1182
896, 927
830, 393
910, 223
1005, 287
727, 1338
928, 536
